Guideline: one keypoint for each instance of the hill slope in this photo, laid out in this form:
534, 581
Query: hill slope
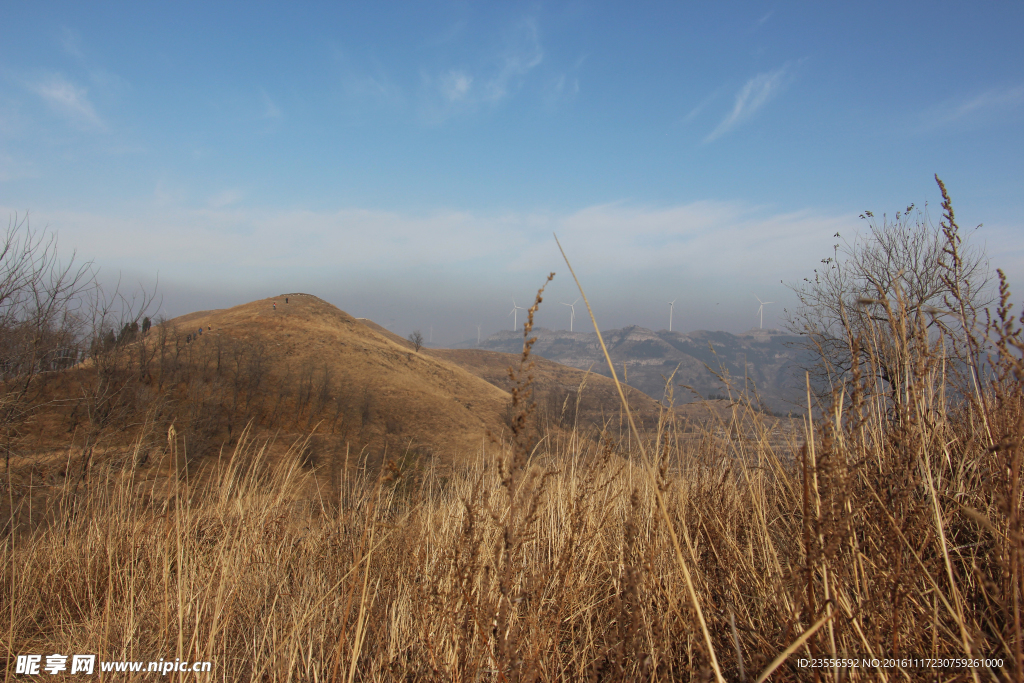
350, 378
288, 369
557, 387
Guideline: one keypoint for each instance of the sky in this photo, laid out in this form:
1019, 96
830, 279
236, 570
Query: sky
412, 162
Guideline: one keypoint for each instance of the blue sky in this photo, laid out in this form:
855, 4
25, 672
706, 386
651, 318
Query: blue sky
409, 161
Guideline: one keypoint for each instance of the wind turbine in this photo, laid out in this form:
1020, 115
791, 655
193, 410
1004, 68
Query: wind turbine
514, 314
671, 305
572, 315
478, 335
760, 309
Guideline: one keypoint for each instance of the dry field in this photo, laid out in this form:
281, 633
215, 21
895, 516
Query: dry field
890, 535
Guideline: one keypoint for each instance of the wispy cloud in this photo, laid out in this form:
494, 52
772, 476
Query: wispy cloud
455, 85
522, 53
270, 108
366, 255
561, 88
226, 198
167, 194
754, 94
68, 100
997, 99
701, 106
371, 86
108, 82
616, 238
71, 42
564, 86
500, 76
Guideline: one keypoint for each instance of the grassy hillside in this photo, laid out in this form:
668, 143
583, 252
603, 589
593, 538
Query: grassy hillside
302, 367
354, 381
893, 539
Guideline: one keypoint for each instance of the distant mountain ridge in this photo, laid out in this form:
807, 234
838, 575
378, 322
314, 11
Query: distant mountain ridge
768, 359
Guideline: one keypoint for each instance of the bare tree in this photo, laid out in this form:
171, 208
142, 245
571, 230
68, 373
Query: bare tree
41, 329
113, 373
417, 340
904, 279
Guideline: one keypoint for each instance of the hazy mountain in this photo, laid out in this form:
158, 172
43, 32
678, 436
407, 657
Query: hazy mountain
766, 358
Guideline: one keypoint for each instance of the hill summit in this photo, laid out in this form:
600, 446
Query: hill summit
328, 369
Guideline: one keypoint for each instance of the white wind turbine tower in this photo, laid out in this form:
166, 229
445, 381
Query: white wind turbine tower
572, 315
671, 305
515, 316
478, 335
760, 309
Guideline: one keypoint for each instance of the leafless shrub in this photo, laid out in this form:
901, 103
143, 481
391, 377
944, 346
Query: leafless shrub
903, 270
416, 339
41, 322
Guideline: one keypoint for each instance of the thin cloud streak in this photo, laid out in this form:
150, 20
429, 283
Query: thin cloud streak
68, 100
701, 106
991, 100
755, 93
369, 87
270, 108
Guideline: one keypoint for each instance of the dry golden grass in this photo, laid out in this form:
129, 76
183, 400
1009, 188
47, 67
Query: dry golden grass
892, 533
305, 367
398, 396
570, 575
886, 540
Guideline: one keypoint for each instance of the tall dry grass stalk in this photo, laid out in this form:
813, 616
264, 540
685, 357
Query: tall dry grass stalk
891, 533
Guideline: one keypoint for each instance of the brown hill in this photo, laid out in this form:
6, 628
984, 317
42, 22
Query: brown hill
351, 379
283, 370
289, 369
